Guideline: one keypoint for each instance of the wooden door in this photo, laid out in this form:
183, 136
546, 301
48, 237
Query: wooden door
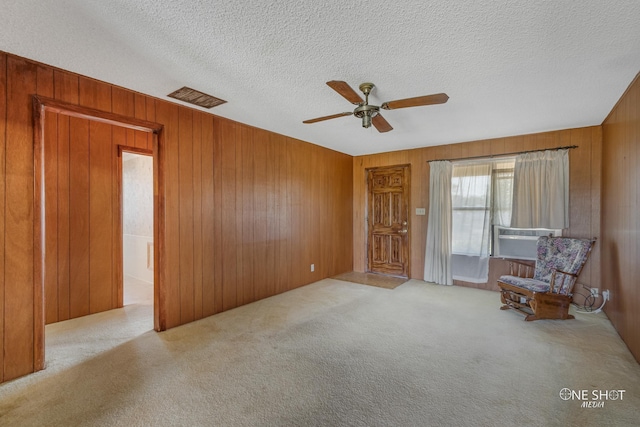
388, 220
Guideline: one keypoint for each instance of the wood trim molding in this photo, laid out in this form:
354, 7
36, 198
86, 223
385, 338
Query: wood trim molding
40, 106
135, 150
38, 236
73, 110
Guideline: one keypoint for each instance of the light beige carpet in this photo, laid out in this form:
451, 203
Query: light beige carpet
330, 354
371, 279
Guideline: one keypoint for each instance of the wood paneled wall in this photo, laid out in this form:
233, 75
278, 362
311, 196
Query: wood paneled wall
83, 259
246, 211
584, 191
620, 219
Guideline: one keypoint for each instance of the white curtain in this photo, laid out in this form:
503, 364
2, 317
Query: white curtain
541, 190
437, 263
471, 224
502, 192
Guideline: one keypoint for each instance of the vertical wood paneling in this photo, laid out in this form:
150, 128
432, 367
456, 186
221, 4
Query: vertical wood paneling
79, 217
283, 215
219, 130
298, 165
186, 190
102, 245
228, 204
246, 211
140, 139
3, 122
208, 237
271, 230
246, 294
122, 102
140, 106
167, 114
18, 275
241, 278
307, 215
100, 217
66, 86
51, 218
197, 215
94, 94
63, 218
620, 243
260, 209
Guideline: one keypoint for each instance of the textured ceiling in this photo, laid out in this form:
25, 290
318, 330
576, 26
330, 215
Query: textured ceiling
509, 67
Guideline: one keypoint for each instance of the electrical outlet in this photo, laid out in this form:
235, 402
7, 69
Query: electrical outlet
313, 268
594, 292
606, 295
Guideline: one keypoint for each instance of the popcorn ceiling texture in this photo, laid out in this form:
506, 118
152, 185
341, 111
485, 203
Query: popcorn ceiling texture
509, 67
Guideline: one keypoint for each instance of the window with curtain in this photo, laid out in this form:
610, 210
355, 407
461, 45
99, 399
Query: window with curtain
526, 195
481, 195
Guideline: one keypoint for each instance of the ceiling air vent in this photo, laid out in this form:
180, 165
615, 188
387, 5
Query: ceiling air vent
196, 97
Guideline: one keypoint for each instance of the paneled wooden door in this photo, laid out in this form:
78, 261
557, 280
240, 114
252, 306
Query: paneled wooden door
388, 220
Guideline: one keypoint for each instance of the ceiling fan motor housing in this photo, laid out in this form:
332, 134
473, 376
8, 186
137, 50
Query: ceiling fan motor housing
366, 113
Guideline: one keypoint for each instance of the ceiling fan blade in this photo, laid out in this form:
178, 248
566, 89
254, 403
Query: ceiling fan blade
345, 90
438, 98
380, 123
333, 116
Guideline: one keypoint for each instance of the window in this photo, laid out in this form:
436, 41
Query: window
481, 195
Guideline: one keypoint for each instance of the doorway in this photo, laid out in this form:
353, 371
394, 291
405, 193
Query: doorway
137, 226
388, 190
77, 216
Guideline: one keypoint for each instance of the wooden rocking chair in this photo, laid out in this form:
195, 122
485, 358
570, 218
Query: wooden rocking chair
544, 291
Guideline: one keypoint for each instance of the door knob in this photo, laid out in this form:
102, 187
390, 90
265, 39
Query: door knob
404, 228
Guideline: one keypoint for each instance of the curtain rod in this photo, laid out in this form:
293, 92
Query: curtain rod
491, 156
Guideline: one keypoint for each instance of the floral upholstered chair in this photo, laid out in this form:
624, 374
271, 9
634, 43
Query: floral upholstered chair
547, 293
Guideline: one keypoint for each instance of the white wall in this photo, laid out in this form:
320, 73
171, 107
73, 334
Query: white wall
137, 213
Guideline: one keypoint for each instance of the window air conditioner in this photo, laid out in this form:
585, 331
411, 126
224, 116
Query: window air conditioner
518, 243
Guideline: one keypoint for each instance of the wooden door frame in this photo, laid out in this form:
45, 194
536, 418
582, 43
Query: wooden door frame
367, 261
40, 106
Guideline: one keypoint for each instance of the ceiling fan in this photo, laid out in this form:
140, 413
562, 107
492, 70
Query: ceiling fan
370, 114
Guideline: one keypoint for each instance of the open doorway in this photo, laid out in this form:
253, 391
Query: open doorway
137, 227
78, 222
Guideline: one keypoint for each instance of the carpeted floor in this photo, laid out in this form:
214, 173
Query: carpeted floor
371, 279
331, 354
